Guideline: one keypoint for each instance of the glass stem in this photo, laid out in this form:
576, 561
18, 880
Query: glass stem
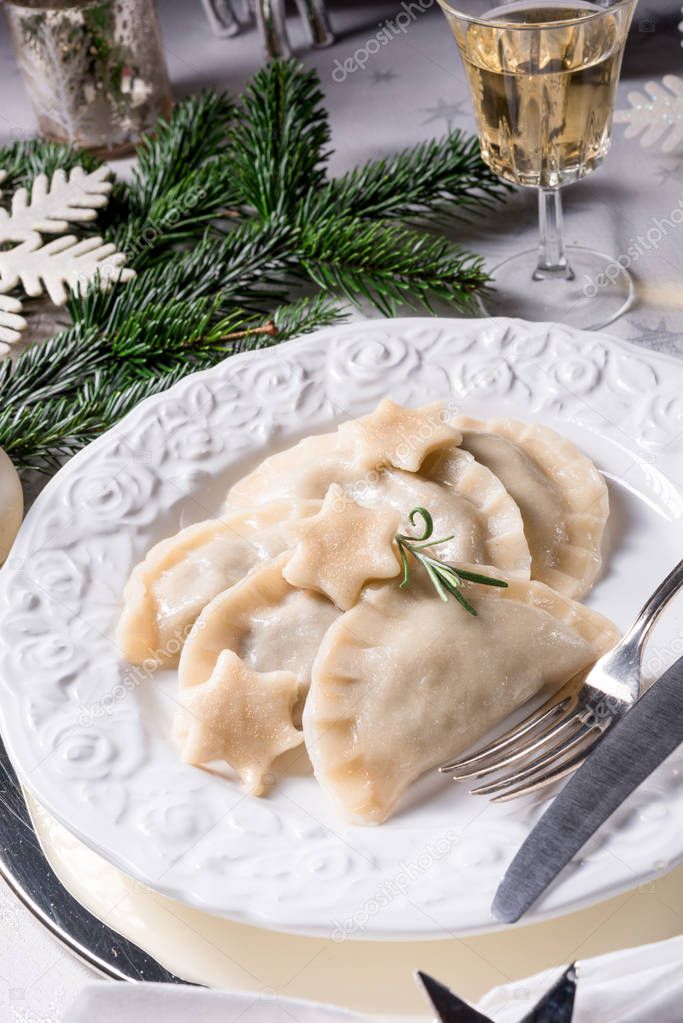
552, 261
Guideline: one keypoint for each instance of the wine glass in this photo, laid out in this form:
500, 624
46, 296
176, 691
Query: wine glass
543, 77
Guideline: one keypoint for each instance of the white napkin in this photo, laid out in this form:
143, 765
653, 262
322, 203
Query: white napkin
639, 985
111, 1002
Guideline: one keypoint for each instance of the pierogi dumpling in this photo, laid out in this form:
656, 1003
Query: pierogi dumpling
305, 471
399, 437
342, 547
271, 625
260, 632
391, 435
211, 719
404, 682
179, 576
473, 507
470, 502
561, 495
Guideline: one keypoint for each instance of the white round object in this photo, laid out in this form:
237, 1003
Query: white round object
11, 504
91, 734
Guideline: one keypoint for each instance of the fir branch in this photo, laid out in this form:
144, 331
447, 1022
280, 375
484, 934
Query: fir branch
279, 140
23, 161
389, 264
176, 218
60, 395
251, 266
165, 338
181, 182
444, 176
40, 436
55, 368
196, 132
306, 315
289, 321
229, 213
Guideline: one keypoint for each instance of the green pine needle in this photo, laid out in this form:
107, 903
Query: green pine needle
229, 217
196, 132
23, 161
444, 177
279, 142
389, 264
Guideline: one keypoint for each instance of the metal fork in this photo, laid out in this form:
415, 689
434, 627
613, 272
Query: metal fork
555, 739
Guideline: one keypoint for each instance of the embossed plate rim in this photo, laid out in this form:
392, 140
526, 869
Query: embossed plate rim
146, 850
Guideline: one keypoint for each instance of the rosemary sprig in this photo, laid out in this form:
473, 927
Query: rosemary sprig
446, 579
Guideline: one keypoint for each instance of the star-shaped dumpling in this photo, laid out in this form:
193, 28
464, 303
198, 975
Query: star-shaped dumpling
402, 437
342, 547
241, 716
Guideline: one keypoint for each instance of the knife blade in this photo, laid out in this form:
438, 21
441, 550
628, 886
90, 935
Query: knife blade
25, 868
625, 756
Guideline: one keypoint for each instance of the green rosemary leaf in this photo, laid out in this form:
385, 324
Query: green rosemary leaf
427, 520
423, 544
448, 579
434, 576
405, 565
444, 577
485, 580
462, 600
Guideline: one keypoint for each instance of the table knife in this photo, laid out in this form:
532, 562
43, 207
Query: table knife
625, 756
26, 870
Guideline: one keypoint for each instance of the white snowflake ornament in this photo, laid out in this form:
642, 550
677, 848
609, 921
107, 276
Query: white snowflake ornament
656, 116
60, 264
54, 204
63, 264
11, 322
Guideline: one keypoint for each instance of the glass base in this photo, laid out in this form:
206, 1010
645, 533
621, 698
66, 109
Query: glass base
594, 290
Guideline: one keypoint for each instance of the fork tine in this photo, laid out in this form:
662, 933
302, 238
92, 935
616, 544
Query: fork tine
539, 745
536, 784
540, 766
546, 713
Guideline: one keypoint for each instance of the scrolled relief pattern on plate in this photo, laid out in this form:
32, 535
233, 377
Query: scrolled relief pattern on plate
557, 370
60, 594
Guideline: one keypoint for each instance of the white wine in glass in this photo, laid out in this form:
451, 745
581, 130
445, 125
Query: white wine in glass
543, 77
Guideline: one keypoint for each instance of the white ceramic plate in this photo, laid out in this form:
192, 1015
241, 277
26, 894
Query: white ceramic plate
90, 735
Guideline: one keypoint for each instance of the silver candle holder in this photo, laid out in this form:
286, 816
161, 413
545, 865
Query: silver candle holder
227, 17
